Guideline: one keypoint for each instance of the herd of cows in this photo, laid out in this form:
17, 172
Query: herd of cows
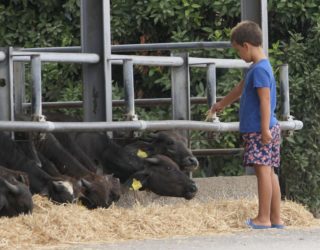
89, 168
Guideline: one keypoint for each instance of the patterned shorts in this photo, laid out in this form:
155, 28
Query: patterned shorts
256, 153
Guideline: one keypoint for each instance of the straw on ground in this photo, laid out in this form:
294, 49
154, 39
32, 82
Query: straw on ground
52, 224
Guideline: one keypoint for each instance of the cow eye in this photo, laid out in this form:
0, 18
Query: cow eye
168, 168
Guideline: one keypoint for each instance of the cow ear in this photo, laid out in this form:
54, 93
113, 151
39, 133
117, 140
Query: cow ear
153, 161
23, 179
138, 180
86, 184
11, 187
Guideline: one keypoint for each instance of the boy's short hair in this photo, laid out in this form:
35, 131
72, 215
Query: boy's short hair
247, 31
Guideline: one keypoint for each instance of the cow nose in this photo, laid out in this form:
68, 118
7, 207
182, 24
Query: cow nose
193, 188
193, 161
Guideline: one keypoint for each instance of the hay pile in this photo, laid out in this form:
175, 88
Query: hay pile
52, 224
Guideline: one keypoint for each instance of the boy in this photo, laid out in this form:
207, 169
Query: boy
258, 124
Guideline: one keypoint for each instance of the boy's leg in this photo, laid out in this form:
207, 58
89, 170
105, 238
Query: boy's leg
264, 179
276, 200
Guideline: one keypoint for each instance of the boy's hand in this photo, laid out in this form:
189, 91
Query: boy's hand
266, 136
217, 107
211, 113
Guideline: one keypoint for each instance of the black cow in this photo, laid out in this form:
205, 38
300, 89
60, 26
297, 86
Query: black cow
60, 190
15, 196
9, 174
169, 143
97, 190
124, 163
162, 176
159, 174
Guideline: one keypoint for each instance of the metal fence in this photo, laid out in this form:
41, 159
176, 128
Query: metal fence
97, 57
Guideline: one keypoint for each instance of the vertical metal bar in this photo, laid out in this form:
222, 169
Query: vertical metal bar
180, 90
211, 84
284, 91
107, 56
180, 93
257, 11
264, 25
5, 114
19, 86
128, 83
11, 84
36, 105
94, 91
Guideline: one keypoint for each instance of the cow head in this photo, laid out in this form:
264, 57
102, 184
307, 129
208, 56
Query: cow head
162, 176
173, 145
99, 191
60, 190
15, 198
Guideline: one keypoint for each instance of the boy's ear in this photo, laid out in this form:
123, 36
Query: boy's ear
245, 45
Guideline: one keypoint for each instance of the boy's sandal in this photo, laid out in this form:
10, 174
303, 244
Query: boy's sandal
278, 226
250, 224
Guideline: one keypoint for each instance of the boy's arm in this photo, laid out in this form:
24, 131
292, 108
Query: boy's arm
233, 95
264, 97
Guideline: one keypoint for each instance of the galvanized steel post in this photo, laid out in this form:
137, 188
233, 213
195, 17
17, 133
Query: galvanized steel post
257, 11
211, 84
284, 92
6, 85
128, 85
94, 91
36, 106
19, 86
180, 90
107, 58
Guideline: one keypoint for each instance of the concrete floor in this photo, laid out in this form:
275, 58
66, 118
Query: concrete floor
291, 239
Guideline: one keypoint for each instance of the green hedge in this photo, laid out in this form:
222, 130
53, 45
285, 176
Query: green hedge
294, 38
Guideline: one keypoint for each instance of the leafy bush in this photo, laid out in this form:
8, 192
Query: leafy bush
301, 155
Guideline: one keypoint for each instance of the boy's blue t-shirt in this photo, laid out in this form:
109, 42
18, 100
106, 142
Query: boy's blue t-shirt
259, 75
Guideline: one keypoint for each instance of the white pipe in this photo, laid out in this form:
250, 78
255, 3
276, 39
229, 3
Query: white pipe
178, 61
132, 125
2, 56
220, 63
118, 59
148, 60
23, 56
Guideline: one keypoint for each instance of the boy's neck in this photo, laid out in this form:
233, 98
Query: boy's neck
257, 54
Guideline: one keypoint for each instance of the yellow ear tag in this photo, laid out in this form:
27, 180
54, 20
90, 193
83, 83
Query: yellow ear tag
136, 185
142, 154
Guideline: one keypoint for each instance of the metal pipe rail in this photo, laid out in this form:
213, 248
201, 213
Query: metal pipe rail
23, 56
145, 102
2, 56
217, 151
141, 47
148, 60
46, 126
178, 61
219, 63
